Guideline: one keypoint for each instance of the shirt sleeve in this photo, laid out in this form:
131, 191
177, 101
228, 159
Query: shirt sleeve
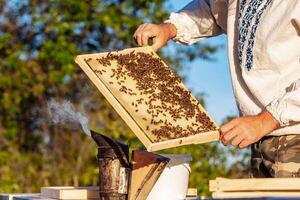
286, 108
199, 19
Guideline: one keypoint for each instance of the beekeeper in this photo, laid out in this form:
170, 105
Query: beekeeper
264, 55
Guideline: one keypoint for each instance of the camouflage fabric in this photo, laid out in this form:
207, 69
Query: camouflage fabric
276, 156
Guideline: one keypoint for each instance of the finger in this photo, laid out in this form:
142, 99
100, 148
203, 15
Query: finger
237, 140
139, 39
137, 31
244, 144
229, 125
140, 28
138, 35
145, 37
230, 135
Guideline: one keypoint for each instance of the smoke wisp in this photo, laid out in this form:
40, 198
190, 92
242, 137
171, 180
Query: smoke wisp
64, 113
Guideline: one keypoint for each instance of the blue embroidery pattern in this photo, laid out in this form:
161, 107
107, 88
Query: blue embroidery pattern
242, 7
254, 12
245, 22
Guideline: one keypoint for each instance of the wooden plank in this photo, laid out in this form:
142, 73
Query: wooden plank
194, 139
113, 101
258, 194
191, 192
254, 184
66, 192
120, 102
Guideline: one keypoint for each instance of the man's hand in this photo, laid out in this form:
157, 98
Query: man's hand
160, 34
243, 131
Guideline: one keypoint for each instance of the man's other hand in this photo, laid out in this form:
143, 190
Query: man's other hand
243, 131
160, 34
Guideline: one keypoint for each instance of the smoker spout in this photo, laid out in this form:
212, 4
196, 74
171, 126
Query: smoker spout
110, 148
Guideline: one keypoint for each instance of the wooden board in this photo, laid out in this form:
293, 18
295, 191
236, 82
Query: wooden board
74, 193
135, 114
258, 194
254, 184
146, 169
195, 139
192, 192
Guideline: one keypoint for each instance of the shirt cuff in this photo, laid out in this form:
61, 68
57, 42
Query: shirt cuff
184, 25
277, 109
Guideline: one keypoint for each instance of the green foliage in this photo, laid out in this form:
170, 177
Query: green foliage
38, 43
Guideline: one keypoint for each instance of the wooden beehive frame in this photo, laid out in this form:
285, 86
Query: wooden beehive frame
151, 146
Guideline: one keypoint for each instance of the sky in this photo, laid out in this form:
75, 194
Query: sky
211, 77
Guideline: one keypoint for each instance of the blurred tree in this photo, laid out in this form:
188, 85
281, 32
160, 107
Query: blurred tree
38, 42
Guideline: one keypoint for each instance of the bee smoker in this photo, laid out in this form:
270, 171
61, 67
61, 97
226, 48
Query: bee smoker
114, 168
